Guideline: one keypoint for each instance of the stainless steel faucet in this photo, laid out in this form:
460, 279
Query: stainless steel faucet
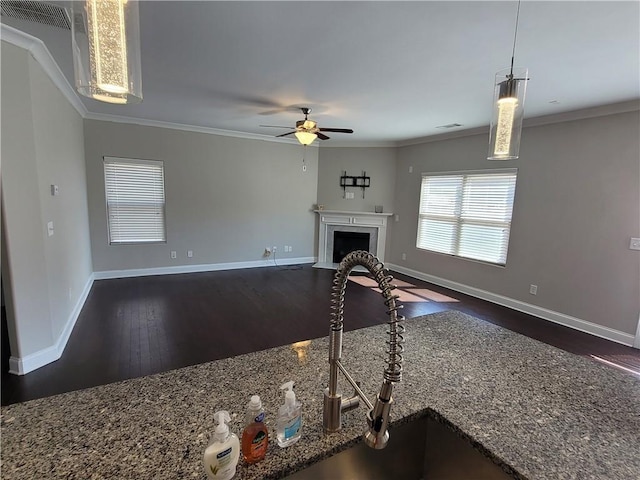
378, 416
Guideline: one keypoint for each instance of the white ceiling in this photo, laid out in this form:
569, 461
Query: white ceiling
392, 71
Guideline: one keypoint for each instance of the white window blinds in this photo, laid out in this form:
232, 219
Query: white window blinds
135, 200
467, 214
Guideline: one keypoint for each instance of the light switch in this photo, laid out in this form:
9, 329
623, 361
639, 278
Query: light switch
50, 228
634, 244
54, 190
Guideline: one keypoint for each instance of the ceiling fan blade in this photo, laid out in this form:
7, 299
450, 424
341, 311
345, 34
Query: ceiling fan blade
285, 134
274, 126
338, 130
322, 136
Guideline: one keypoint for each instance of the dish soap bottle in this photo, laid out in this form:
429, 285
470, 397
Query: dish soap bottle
221, 456
255, 437
289, 424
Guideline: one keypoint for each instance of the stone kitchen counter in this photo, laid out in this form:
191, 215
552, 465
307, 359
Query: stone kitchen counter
537, 411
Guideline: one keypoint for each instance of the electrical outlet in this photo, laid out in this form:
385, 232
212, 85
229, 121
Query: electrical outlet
190, 253
404, 256
174, 254
533, 289
634, 244
274, 248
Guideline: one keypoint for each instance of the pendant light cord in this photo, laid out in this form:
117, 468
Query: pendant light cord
515, 36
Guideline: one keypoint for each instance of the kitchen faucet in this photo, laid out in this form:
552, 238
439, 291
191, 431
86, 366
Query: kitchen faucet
378, 416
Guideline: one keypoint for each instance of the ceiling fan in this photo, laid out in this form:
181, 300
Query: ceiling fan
306, 131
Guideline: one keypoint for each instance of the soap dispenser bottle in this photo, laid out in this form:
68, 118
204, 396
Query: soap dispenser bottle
255, 437
222, 454
289, 424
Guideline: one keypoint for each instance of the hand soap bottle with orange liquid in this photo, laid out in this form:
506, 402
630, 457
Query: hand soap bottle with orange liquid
255, 436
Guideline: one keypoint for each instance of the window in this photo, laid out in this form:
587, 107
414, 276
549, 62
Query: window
135, 200
467, 214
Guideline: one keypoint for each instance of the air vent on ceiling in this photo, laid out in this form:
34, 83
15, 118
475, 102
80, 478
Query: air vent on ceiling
38, 12
450, 125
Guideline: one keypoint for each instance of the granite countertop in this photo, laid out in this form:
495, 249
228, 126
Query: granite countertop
538, 411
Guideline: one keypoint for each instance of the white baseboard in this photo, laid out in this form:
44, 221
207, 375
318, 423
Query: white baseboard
636, 342
545, 314
22, 365
143, 272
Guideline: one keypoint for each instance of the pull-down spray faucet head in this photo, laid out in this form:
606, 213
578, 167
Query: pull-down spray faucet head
378, 417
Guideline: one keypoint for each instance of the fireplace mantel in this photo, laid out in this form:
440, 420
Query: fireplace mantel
332, 220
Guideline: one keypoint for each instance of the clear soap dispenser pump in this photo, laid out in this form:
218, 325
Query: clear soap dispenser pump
289, 423
222, 454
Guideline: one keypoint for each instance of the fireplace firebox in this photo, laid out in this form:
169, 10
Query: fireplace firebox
347, 242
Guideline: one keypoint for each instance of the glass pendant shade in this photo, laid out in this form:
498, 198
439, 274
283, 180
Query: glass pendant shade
306, 138
508, 114
106, 50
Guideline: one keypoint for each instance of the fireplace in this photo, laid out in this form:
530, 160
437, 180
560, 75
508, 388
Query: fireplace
347, 242
371, 227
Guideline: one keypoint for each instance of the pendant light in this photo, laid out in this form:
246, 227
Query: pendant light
508, 109
106, 50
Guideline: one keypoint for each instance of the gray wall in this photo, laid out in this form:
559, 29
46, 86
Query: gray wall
42, 144
226, 198
577, 205
379, 163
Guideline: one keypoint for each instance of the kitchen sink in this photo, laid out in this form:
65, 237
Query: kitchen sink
423, 449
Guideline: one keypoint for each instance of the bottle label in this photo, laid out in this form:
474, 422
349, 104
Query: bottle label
225, 453
259, 444
293, 427
260, 417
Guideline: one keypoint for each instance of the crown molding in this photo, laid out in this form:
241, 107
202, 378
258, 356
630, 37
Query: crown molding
103, 117
581, 114
360, 144
443, 136
584, 113
42, 55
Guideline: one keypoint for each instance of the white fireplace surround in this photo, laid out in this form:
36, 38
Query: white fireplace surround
365, 222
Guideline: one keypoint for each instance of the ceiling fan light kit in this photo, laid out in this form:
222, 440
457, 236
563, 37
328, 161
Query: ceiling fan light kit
106, 50
305, 138
508, 109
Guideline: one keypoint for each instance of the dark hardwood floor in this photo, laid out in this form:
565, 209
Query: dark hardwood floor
140, 326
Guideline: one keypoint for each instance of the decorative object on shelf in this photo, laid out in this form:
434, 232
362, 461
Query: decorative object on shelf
361, 181
106, 50
378, 209
508, 110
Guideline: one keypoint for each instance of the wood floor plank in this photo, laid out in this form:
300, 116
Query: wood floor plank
138, 326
